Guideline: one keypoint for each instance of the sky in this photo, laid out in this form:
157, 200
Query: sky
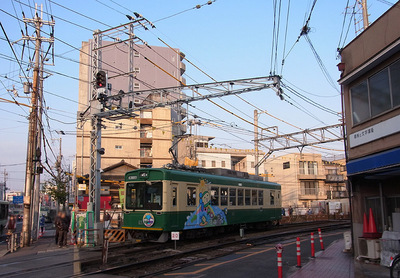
228, 39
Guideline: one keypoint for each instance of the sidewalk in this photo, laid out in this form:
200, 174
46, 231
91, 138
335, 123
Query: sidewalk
334, 263
42, 255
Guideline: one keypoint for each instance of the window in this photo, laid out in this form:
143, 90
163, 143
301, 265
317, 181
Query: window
146, 114
191, 196
223, 164
312, 168
272, 197
260, 197
146, 150
379, 92
213, 163
137, 70
119, 126
301, 167
224, 196
332, 171
215, 196
247, 197
118, 147
360, 102
376, 94
203, 163
240, 197
232, 196
252, 165
308, 168
395, 82
174, 196
136, 54
142, 195
309, 187
136, 86
286, 165
254, 197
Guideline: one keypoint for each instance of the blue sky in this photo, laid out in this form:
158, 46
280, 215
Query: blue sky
228, 39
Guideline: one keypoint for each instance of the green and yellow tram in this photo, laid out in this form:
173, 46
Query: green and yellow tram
159, 201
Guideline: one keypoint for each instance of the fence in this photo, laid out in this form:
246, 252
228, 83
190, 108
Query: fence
313, 217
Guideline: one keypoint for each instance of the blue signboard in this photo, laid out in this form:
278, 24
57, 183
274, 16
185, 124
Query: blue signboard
18, 199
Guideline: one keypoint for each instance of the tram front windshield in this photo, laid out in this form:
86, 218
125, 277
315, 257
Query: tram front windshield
144, 195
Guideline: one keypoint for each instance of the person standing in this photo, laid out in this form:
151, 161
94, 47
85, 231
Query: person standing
290, 211
107, 219
55, 223
63, 226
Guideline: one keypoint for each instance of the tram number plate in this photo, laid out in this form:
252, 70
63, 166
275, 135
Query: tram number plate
174, 235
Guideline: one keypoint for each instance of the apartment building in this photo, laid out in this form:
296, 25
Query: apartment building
370, 81
143, 140
307, 180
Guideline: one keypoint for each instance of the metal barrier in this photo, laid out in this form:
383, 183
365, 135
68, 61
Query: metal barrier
12, 242
87, 237
312, 218
114, 235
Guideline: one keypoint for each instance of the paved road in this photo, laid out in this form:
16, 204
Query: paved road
259, 261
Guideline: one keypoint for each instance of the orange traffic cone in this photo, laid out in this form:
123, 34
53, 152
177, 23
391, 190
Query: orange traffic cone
365, 225
371, 223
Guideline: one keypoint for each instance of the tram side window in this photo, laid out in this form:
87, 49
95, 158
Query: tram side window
144, 196
260, 197
215, 196
272, 199
232, 196
247, 197
224, 196
191, 196
240, 197
174, 196
254, 197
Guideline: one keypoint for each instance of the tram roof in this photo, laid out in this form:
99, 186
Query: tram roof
153, 174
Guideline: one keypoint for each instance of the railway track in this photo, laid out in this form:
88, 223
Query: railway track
153, 260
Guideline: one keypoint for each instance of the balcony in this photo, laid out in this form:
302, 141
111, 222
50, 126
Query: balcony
334, 178
337, 194
146, 137
312, 194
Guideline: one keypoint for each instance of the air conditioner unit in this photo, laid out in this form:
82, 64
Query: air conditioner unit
369, 248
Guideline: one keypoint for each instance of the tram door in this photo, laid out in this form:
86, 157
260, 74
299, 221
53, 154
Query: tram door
174, 206
273, 200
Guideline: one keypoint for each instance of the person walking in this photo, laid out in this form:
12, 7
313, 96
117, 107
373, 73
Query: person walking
41, 224
63, 226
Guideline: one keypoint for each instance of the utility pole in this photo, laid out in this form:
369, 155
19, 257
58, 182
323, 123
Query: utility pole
5, 175
59, 170
36, 189
30, 171
256, 166
33, 152
365, 14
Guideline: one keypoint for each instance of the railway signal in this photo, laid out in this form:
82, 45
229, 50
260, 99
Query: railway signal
101, 79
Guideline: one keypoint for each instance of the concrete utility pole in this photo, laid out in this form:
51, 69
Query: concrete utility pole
33, 149
36, 189
365, 14
32, 144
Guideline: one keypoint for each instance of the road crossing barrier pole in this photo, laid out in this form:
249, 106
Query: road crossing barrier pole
105, 251
320, 239
279, 250
312, 246
298, 252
